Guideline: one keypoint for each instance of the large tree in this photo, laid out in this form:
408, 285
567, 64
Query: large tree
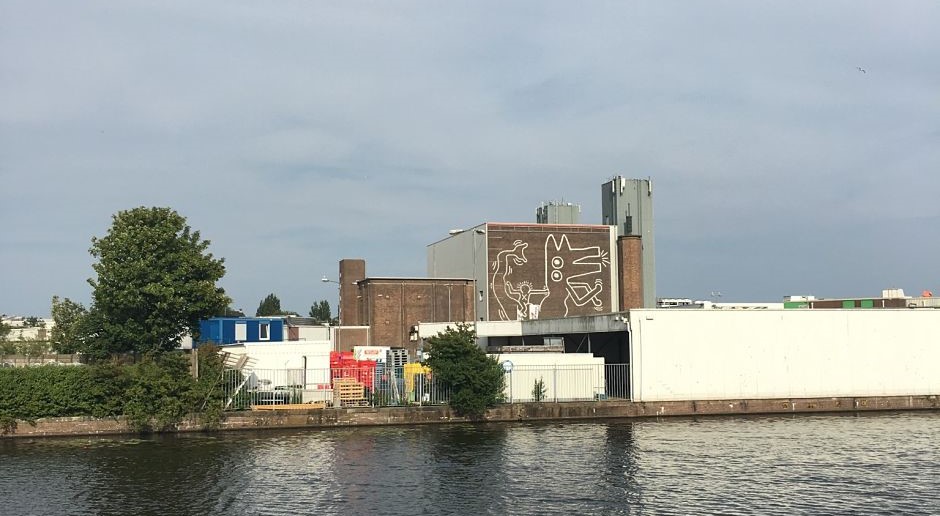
156, 280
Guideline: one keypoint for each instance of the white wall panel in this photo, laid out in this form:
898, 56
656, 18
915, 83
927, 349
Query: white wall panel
713, 354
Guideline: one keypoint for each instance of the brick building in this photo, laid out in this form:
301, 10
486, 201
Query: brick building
391, 308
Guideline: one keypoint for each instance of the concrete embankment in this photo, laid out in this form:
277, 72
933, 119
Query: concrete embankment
352, 417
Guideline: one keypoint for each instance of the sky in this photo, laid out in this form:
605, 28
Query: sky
794, 147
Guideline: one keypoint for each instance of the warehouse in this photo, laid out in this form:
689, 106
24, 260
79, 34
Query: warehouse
688, 354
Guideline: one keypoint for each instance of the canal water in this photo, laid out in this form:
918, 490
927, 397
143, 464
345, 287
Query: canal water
886, 463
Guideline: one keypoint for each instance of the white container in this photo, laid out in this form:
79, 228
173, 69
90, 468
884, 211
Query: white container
373, 353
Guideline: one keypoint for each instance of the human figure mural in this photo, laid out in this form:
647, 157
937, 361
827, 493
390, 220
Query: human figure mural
522, 290
517, 295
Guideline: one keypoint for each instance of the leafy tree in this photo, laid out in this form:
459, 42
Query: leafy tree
156, 280
476, 381
95, 341
270, 305
68, 331
320, 310
4, 330
32, 348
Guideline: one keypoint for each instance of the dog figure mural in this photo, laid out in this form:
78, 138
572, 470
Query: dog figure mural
576, 277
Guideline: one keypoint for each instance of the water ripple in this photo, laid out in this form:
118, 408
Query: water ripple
807, 464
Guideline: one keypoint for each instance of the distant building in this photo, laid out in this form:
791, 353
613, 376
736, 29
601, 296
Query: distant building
627, 204
28, 328
890, 298
558, 213
713, 305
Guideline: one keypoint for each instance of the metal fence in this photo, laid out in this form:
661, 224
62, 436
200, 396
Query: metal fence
414, 385
568, 383
41, 359
352, 387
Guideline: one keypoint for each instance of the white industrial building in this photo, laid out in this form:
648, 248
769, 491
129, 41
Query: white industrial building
705, 355
689, 354
652, 355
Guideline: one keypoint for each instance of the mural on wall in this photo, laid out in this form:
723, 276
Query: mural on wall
559, 281
582, 278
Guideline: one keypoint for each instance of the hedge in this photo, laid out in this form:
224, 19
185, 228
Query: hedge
153, 394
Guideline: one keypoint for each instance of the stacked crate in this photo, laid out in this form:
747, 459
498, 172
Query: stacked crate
343, 365
396, 358
352, 379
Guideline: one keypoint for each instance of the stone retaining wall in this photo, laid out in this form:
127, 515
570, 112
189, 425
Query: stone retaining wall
347, 417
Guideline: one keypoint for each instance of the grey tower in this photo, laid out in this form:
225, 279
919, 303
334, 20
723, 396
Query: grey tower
558, 213
628, 204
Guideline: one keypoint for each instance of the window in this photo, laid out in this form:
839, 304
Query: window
263, 331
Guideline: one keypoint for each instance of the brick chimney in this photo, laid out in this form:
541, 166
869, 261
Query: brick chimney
351, 271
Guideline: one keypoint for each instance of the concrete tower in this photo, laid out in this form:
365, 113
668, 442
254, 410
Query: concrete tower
628, 205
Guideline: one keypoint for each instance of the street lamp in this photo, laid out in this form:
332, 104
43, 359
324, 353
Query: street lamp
324, 279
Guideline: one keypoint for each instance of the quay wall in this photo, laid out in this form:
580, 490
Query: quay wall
356, 417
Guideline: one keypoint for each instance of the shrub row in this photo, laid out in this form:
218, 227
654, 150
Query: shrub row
153, 394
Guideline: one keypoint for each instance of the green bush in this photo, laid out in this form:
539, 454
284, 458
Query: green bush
476, 381
160, 394
208, 395
538, 390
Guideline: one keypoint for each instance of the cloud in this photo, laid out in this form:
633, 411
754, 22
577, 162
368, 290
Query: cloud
298, 134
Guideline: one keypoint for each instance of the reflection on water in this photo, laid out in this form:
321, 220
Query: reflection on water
870, 464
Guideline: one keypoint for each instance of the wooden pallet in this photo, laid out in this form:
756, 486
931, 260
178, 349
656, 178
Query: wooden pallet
313, 405
349, 392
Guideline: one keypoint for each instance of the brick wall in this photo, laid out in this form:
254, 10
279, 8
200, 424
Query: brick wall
393, 306
630, 251
347, 337
351, 270
547, 270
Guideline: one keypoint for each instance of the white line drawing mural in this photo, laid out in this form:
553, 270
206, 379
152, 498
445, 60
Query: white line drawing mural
575, 284
591, 262
519, 294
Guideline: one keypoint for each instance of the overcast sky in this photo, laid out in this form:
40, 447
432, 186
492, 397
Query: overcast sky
296, 133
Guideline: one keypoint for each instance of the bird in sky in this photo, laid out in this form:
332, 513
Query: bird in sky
859, 68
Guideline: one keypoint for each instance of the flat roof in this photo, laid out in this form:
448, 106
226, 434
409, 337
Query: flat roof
406, 278
520, 224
